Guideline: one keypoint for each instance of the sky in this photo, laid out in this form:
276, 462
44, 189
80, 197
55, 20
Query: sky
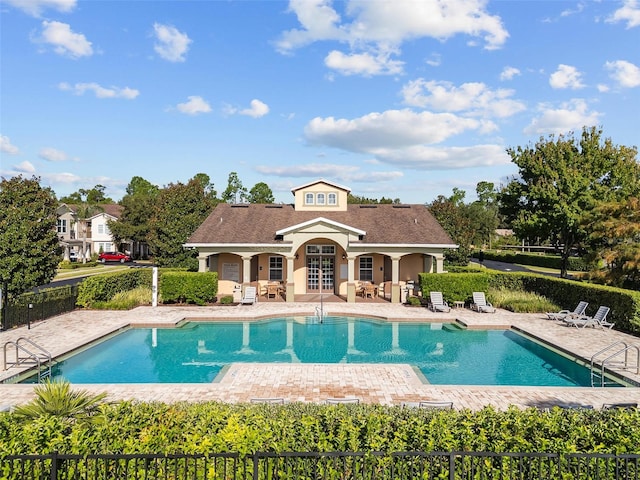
403, 99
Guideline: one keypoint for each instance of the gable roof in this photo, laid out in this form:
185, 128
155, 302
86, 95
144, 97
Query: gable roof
112, 209
381, 224
315, 182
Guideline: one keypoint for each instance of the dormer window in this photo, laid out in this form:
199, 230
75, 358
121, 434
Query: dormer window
309, 199
332, 199
320, 198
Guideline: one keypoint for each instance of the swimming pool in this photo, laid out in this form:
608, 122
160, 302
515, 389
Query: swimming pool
196, 352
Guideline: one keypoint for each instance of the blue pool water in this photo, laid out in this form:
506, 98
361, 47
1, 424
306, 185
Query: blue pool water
196, 352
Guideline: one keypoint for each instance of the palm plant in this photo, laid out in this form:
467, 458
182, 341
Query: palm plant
55, 398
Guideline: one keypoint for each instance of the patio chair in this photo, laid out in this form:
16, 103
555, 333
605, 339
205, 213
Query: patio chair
438, 303
480, 303
620, 406
275, 400
598, 320
562, 314
435, 404
250, 296
335, 401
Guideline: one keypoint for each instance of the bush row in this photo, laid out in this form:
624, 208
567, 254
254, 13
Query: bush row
189, 287
128, 427
174, 286
102, 288
576, 264
624, 304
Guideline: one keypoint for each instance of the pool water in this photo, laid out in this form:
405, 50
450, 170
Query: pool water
197, 351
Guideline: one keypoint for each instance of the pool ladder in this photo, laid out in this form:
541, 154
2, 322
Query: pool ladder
612, 361
33, 355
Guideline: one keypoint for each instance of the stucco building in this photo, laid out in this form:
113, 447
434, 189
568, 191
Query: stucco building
320, 244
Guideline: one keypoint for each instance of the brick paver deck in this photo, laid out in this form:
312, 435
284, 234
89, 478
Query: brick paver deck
385, 384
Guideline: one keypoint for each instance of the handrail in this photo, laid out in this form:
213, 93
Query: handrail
624, 365
34, 357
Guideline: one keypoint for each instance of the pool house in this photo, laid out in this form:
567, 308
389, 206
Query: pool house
320, 244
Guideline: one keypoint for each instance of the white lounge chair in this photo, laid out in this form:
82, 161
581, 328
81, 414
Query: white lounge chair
562, 314
250, 296
598, 320
437, 303
480, 303
336, 401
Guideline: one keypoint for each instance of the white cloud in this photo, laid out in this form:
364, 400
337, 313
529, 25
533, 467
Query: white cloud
7, 147
258, 109
629, 12
405, 138
65, 42
508, 73
375, 30
625, 73
25, 167
566, 77
442, 158
364, 64
52, 155
172, 45
99, 91
35, 8
602, 88
194, 106
572, 115
434, 60
471, 98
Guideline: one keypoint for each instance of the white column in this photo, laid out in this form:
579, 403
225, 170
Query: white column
246, 269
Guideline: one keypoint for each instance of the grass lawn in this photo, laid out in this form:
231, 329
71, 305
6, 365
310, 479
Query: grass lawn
65, 274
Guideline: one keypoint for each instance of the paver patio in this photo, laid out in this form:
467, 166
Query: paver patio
371, 383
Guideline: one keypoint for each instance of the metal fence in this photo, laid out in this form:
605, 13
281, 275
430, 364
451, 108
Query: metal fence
38, 306
324, 466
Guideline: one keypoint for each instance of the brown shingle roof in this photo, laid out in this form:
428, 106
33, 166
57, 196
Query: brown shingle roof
258, 223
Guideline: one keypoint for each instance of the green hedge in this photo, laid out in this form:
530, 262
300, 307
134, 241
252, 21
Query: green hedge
575, 264
102, 288
624, 304
189, 287
130, 427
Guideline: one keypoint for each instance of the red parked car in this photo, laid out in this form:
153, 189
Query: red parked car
113, 257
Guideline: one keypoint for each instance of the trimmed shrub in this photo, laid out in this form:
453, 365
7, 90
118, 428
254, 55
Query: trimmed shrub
132, 427
455, 287
189, 287
102, 288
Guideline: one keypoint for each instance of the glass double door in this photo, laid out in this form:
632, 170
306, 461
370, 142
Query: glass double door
320, 273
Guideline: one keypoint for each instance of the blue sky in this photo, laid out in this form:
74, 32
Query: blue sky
402, 99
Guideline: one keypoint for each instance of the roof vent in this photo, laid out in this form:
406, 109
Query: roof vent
273, 206
240, 205
368, 206
402, 206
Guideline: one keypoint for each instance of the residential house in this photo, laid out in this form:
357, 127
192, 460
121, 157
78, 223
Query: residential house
320, 244
98, 236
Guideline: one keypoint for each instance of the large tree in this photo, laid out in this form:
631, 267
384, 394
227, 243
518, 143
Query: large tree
615, 240
94, 196
453, 215
138, 203
179, 210
483, 214
235, 191
29, 247
561, 179
260, 193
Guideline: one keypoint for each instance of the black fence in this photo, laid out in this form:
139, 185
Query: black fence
324, 466
32, 307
